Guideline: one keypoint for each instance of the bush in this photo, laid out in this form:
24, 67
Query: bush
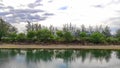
44, 35
21, 37
83, 37
59, 36
67, 36
31, 35
97, 37
12, 36
112, 40
6, 39
82, 34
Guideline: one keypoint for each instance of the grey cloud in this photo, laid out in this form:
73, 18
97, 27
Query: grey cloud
2, 7
37, 1
27, 10
23, 15
114, 23
115, 20
1, 4
4, 13
48, 14
35, 4
9, 7
107, 4
98, 6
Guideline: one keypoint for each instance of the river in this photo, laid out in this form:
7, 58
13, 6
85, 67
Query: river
45, 58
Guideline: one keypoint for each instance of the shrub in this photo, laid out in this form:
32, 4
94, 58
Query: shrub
31, 35
67, 36
112, 40
59, 36
97, 37
21, 37
44, 35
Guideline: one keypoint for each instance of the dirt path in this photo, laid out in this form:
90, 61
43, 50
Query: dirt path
12, 46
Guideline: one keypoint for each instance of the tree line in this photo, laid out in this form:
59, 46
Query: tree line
38, 34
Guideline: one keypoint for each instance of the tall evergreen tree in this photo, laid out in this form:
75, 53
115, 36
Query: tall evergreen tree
106, 31
5, 28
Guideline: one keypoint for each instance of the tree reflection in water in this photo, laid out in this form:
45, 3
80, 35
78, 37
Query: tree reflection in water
118, 54
67, 55
101, 54
37, 55
61, 58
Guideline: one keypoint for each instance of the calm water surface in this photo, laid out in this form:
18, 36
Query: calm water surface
59, 58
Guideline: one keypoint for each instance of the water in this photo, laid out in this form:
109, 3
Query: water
59, 58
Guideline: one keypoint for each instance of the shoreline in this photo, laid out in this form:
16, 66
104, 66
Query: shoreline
59, 46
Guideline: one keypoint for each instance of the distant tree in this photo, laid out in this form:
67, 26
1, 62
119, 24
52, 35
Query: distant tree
97, 37
33, 27
59, 35
12, 36
36, 27
98, 28
31, 35
106, 31
69, 27
44, 35
67, 36
82, 34
82, 37
83, 28
52, 29
76, 34
29, 26
90, 30
5, 28
12, 29
112, 40
21, 37
118, 33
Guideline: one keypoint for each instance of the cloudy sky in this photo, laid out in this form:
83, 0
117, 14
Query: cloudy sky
59, 12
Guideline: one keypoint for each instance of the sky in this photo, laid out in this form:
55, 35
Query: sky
59, 12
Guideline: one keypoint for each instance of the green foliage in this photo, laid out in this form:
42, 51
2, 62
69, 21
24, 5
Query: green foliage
67, 36
106, 31
6, 40
97, 37
118, 33
21, 37
4, 27
69, 33
12, 36
31, 35
83, 37
59, 35
112, 40
82, 34
44, 35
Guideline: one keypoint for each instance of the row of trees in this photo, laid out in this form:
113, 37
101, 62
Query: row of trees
36, 33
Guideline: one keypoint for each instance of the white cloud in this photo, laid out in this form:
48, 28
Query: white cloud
80, 12
88, 12
17, 3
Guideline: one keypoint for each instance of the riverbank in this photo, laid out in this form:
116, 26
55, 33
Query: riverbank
62, 46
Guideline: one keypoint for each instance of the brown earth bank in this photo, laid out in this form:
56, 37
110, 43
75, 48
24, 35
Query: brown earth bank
58, 46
